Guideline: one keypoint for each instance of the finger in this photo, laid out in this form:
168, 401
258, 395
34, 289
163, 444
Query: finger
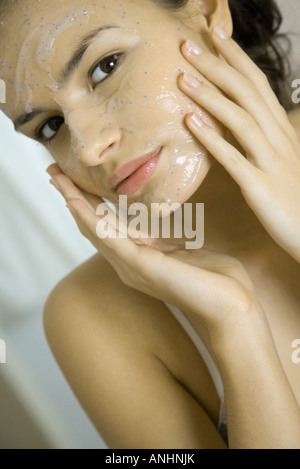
240, 61
241, 170
118, 227
238, 121
54, 170
113, 244
84, 218
70, 191
94, 200
242, 91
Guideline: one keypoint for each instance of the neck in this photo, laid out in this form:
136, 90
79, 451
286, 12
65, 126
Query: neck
230, 225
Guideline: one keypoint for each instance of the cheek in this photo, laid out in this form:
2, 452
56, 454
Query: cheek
149, 97
92, 182
186, 162
150, 106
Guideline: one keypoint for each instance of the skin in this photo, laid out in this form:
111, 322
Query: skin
121, 112
240, 292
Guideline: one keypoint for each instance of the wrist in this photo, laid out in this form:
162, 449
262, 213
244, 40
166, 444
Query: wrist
244, 336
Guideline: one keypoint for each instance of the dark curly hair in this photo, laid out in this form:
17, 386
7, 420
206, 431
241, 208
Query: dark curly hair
255, 28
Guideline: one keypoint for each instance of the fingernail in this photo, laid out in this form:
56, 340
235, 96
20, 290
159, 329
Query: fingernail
191, 81
197, 121
220, 32
193, 48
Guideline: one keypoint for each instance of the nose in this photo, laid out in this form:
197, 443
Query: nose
92, 143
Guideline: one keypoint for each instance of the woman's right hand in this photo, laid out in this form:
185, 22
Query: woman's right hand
214, 288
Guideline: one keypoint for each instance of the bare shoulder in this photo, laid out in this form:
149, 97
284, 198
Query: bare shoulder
92, 284
93, 293
94, 289
294, 118
130, 364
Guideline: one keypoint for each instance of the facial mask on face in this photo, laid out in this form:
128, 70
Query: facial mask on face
181, 165
135, 111
44, 54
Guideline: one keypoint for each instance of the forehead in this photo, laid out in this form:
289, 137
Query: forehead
22, 20
26, 11
44, 22
39, 36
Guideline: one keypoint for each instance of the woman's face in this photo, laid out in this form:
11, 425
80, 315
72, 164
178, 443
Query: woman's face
98, 85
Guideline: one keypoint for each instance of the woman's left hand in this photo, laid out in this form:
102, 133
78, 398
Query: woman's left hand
268, 172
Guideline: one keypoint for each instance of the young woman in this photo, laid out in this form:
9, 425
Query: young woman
155, 100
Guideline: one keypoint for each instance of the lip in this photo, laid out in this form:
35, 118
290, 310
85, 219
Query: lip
134, 174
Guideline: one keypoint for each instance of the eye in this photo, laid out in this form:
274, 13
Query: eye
104, 69
50, 128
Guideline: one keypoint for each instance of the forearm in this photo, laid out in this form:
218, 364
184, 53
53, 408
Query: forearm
262, 411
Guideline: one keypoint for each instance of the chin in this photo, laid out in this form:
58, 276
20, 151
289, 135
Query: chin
189, 192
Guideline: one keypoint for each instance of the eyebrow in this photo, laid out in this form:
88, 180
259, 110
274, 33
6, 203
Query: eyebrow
28, 116
78, 54
66, 72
